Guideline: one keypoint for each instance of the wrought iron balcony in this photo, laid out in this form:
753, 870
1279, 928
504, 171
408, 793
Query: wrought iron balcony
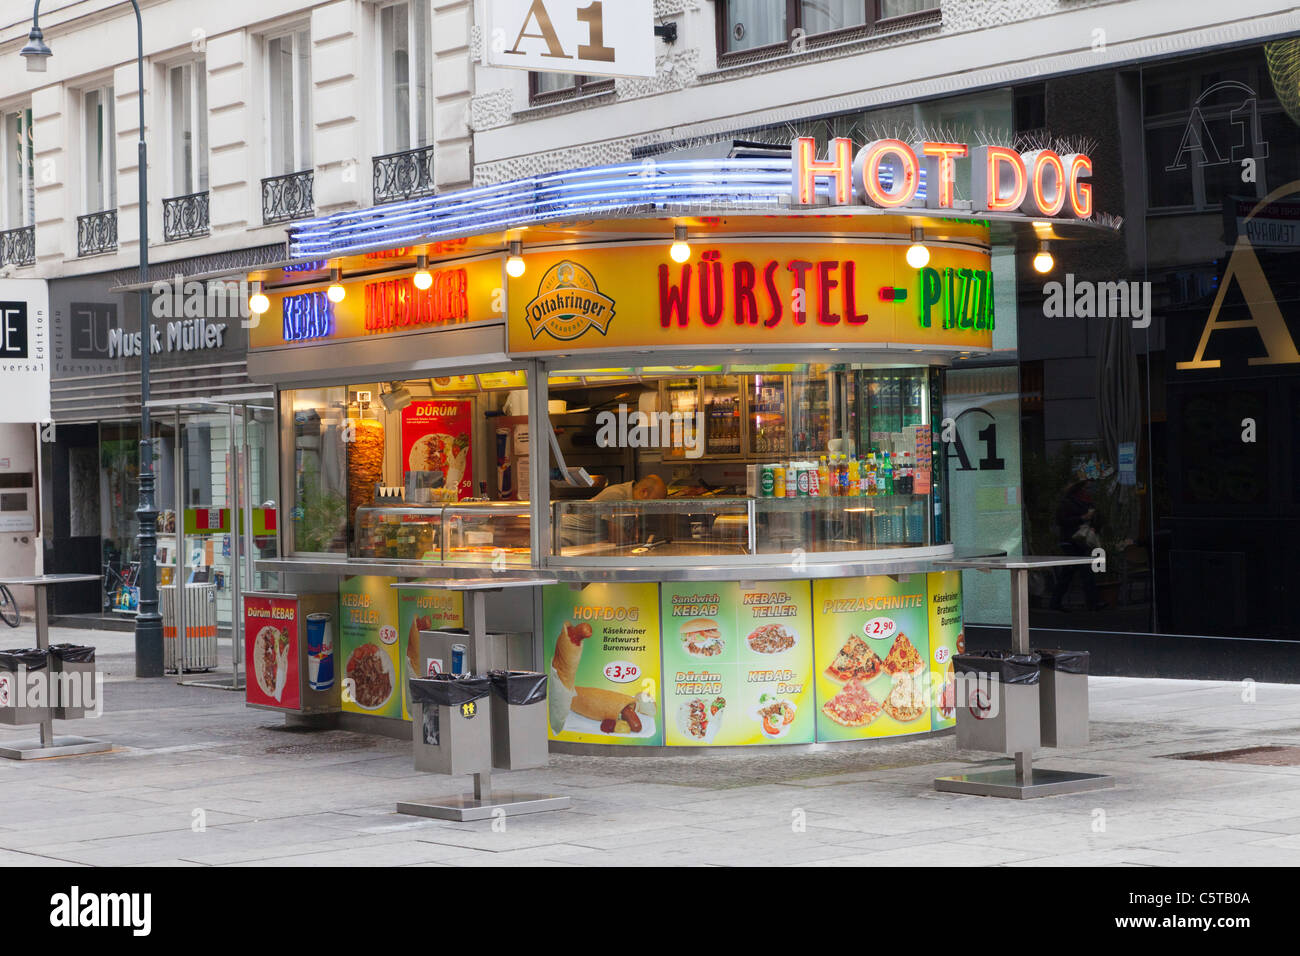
18, 246
287, 197
97, 233
185, 216
405, 175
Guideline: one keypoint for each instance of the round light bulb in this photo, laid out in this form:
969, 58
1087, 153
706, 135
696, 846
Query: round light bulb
422, 279
515, 266
918, 256
336, 292
258, 303
680, 251
1043, 262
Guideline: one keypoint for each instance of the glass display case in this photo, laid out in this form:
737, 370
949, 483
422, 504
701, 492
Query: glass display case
673, 527
465, 533
408, 532
486, 531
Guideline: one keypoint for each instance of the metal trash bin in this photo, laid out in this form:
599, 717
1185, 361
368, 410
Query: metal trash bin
15, 665
997, 702
72, 679
451, 726
200, 648
1063, 697
518, 720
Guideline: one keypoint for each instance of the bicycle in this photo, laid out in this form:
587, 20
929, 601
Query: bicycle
9, 607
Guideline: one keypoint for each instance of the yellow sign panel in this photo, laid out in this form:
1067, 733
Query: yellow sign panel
750, 294
460, 293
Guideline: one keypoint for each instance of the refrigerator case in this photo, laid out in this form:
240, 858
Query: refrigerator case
408, 532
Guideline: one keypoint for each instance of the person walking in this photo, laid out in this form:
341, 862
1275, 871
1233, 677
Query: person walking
1077, 522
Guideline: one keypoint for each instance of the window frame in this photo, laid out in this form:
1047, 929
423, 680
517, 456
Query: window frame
301, 101
198, 149
415, 140
25, 214
105, 199
583, 86
873, 21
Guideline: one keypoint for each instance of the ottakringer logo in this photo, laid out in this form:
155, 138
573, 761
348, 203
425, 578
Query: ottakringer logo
568, 303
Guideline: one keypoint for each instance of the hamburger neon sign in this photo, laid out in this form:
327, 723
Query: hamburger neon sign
1039, 182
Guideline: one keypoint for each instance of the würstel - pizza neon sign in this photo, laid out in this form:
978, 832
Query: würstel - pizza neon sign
1040, 182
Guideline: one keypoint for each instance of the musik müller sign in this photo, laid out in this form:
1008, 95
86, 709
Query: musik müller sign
587, 37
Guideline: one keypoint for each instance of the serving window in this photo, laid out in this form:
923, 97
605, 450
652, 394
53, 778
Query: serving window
737, 460
430, 469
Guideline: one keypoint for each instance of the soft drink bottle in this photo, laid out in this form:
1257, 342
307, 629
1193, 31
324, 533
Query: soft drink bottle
854, 477
823, 477
887, 470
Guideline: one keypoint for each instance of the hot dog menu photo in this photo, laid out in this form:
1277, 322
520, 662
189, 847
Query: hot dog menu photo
737, 663
436, 438
271, 650
602, 658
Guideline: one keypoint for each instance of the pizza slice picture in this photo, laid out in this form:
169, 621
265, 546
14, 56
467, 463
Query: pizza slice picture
855, 661
905, 702
903, 657
853, 706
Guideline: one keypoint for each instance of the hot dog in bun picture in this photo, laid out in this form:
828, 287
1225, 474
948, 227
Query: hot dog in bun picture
701, 637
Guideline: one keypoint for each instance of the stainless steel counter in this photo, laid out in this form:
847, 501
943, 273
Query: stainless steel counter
750, 571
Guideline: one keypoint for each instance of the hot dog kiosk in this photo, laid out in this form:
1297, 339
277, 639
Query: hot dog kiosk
704, 396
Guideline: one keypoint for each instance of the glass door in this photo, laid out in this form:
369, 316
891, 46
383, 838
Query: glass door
765, 418
680, 396
722, 419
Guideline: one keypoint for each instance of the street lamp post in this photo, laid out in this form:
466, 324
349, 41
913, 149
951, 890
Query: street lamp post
148, 622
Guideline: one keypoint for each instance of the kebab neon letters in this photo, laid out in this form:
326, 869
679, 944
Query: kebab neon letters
1040, 182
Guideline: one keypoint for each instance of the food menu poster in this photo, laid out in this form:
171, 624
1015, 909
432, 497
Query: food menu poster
737, 663
271, 652
946, 639
436, 437
416, 612
873, 649
601, 654
368, 647
921, 473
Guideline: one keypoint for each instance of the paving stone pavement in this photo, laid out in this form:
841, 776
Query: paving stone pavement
196, 778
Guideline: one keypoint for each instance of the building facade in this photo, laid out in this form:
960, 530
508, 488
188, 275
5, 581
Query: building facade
1142, 396
256, 115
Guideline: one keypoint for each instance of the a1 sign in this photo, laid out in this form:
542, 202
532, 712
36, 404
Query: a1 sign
587, 37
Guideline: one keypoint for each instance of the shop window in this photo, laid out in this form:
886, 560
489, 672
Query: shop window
741, 460
771, 26
546, 88
187, 115
288, 98
18, 193
1204, 125
428, 469
100, 150
404, 75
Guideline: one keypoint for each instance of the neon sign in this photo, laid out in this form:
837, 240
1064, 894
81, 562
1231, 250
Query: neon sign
397, 303
886, 173
307, 316
964, 298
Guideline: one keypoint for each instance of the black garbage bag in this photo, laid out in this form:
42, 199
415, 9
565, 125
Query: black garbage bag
1007, 667
448, 690
33, 658
1064, 662
519, 687
73, 653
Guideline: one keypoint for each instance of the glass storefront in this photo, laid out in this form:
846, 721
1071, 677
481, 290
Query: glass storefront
1145, 400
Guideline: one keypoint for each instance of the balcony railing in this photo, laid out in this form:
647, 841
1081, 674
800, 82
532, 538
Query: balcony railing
185, 216
97, 233
18, 246
405, 175
287, 197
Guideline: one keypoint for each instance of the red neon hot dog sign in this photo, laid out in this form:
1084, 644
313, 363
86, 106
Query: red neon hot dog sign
1040, 183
